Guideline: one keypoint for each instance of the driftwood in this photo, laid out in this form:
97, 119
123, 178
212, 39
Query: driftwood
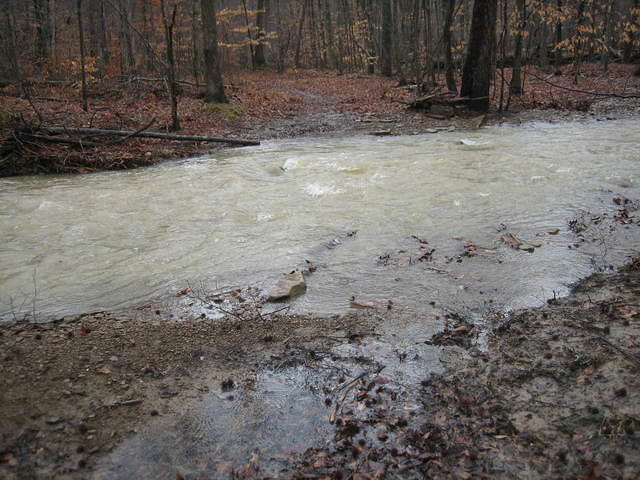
51, 135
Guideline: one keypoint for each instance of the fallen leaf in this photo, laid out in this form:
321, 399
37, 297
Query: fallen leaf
104, 371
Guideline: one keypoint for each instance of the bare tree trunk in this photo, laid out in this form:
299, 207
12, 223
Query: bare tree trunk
332, 60
371, 43
634, 25
478, 66
195, 51
251, 54
259, 59
41, 15
386, 50
212, 70
103, 47
282, 44
296, 60
169, 21
558, 54
446, 39
582, 5
53, 30
126, 43
604, 58
516, 79
83, 75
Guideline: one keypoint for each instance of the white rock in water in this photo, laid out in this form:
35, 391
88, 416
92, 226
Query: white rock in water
290, 286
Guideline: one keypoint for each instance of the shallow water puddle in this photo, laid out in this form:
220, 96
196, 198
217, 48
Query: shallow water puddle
266, 418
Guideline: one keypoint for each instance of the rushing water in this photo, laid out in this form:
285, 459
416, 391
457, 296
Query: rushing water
77, 243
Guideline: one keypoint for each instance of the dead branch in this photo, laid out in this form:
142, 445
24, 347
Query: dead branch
51, 132
149, 79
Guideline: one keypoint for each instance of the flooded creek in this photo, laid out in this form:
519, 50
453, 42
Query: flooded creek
243, 217
413, 226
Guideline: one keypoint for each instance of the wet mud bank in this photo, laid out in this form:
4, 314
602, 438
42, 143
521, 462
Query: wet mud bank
130, 395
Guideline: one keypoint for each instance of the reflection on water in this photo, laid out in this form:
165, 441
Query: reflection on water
277, 414
243, 216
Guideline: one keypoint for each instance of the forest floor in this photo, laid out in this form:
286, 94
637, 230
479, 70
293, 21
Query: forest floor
266, 105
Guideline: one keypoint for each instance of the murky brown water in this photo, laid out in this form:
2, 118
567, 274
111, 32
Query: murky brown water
245, 216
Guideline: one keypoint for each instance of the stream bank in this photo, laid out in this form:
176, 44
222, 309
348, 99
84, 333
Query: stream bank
553, 396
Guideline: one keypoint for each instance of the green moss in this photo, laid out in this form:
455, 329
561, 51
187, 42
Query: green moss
223, 110
632, 266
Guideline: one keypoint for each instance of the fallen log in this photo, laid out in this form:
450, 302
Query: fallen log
164, 136
84, 143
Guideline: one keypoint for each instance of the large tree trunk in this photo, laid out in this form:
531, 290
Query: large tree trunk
478, 65
212, 70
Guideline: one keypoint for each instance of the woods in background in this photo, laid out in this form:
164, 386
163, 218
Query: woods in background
414, 40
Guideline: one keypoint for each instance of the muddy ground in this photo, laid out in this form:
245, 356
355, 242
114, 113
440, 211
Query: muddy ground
554, 396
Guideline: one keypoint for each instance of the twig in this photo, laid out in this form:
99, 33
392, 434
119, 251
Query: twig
630, 356
347, 388
125, 403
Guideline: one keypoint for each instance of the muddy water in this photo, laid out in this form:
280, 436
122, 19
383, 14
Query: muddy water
73, 244
276, 412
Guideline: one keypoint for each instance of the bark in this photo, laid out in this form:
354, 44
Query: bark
329, 37
478, 66
259, 59
250, 47
386, 50
164, 136
41, 15
103, 48
579, 52
83, 74
558, 53
125, 38
169, 20
516, 79
299, 39
447, 41
635, 24
194, 41
212, 71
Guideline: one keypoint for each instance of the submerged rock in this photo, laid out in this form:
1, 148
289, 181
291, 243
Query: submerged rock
291, 285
